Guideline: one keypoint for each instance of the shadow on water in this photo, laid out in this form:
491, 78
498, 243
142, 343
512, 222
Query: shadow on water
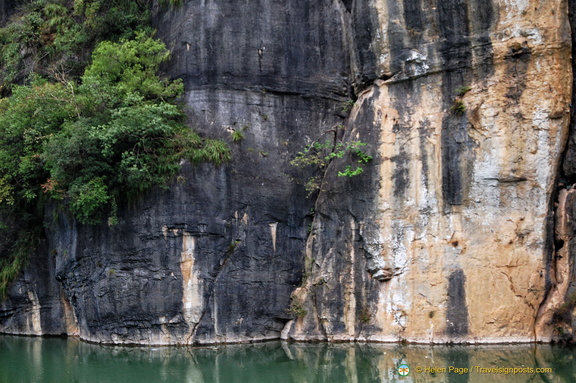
69, 360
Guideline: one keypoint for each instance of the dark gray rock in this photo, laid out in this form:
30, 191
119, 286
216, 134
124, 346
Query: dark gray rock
7, 9
276, 72
35, 304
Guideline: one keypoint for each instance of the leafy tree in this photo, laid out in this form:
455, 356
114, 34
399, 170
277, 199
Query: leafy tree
123, 74
117, 132
90, 144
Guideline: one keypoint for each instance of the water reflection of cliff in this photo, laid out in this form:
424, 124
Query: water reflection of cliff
57, 360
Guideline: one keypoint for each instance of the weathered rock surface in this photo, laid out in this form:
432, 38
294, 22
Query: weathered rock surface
7, 8
447, 236
215, 257
37, 305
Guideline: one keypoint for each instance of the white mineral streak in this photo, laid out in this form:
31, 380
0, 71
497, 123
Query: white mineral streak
192, 301
273, 227
34, 323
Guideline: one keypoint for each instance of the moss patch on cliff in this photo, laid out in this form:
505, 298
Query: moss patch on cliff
16, 257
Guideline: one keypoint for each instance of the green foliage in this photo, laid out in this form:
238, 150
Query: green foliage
319, 154
297, 309
27, 119
365, 316
85, 137
88, 144
214, 151
172, 3
463, 90
112, 19
347, 106
6, 196
458, 107
16, 259
87, 199
124, 73
113, 136
348, 172
233, 246
353, 147
53, 37
237, 136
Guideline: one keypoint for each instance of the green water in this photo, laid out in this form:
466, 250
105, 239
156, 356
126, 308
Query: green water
39, 360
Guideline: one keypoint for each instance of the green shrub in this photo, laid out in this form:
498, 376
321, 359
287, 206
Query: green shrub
88, 198
458, 107
463, 90
114, 135
172, 3
85, 136
16, 259
51, 37
347, 106
319, 154
297, 309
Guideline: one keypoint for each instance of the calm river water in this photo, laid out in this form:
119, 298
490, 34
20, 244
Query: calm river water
41, 360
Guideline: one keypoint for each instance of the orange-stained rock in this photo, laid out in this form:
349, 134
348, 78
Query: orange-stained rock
468, 122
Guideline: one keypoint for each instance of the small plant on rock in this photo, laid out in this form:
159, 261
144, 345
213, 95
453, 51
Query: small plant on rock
463, 90
237, 136
297, 309
347, 106
458, 108
319, 155
365, 316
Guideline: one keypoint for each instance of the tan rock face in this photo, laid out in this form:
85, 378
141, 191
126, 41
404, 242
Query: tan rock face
453, 242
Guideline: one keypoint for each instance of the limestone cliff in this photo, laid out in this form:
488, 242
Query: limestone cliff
447, 236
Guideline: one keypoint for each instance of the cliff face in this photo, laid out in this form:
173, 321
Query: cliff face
448, 235
215, 257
